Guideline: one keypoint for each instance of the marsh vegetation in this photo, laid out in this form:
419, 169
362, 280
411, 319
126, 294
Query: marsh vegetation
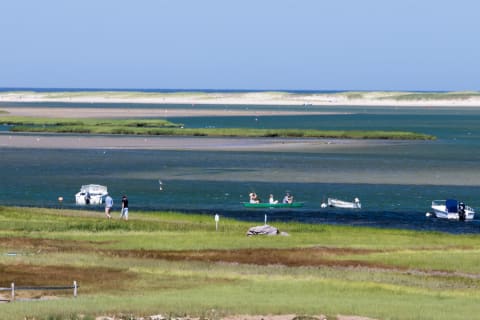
166, 128
171, 263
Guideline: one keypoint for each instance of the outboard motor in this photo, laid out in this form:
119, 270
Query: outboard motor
461, 211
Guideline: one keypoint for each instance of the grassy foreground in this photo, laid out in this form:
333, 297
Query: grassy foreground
163, 127
178, 264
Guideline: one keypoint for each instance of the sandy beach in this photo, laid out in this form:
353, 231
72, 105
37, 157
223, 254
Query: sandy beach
394, 99
144, 113
106, 142
196, 104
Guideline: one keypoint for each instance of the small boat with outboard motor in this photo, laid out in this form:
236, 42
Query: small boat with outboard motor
451, 209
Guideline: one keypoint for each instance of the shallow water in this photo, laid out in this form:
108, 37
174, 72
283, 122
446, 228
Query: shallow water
396, 181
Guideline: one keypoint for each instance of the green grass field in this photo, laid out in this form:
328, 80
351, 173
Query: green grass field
178, 264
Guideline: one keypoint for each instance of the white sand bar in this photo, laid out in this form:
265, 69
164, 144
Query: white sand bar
362, 98
45, 112
53, 141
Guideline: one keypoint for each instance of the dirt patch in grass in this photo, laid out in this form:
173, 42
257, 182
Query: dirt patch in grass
292, 257
296, 257
293, 317
89, 279
245, 317
45, 245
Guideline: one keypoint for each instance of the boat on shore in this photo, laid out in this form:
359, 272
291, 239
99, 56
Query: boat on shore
331, 202
273, 205
91, 194
451, 209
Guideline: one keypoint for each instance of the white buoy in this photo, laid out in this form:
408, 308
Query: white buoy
323, 205
60, 199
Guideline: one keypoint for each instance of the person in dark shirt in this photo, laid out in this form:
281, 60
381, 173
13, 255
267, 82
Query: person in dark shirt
124, 214
87, 198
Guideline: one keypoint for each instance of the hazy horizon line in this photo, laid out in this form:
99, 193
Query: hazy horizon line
207, 90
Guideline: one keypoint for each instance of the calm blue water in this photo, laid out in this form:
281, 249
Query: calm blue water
396, 182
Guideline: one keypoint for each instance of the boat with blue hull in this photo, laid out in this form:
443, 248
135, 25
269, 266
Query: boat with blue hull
452, 209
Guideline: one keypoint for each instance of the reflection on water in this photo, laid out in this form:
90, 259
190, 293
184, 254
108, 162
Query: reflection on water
395, 182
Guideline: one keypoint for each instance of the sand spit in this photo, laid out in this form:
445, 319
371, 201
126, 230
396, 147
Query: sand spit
45, 112
396, 99
105, 142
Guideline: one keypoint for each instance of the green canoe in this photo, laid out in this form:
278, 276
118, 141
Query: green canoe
273, 205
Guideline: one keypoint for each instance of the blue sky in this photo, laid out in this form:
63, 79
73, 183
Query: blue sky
244, 44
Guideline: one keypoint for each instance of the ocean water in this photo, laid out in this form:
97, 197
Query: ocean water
395, 181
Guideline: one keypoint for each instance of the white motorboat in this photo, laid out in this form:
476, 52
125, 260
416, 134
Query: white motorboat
452, 209
344, 204
91, 194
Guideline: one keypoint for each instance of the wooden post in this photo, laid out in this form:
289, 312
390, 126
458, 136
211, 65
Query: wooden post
75, 288
13, 292
217, 219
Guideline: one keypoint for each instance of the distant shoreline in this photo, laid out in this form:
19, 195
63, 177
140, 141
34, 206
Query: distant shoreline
124, 112
342, 98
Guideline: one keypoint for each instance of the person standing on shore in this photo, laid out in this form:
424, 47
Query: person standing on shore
124, 214
108, 206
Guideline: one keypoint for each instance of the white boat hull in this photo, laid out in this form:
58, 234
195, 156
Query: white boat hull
344, 204
441, 211
97, 194
80, 199
453, 216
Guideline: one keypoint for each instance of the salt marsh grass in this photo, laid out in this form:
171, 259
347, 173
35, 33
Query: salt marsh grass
171, 263
166, 128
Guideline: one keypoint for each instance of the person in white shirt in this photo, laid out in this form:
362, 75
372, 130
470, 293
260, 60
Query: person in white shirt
108, 206
254, 198
288, 198
271, 200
